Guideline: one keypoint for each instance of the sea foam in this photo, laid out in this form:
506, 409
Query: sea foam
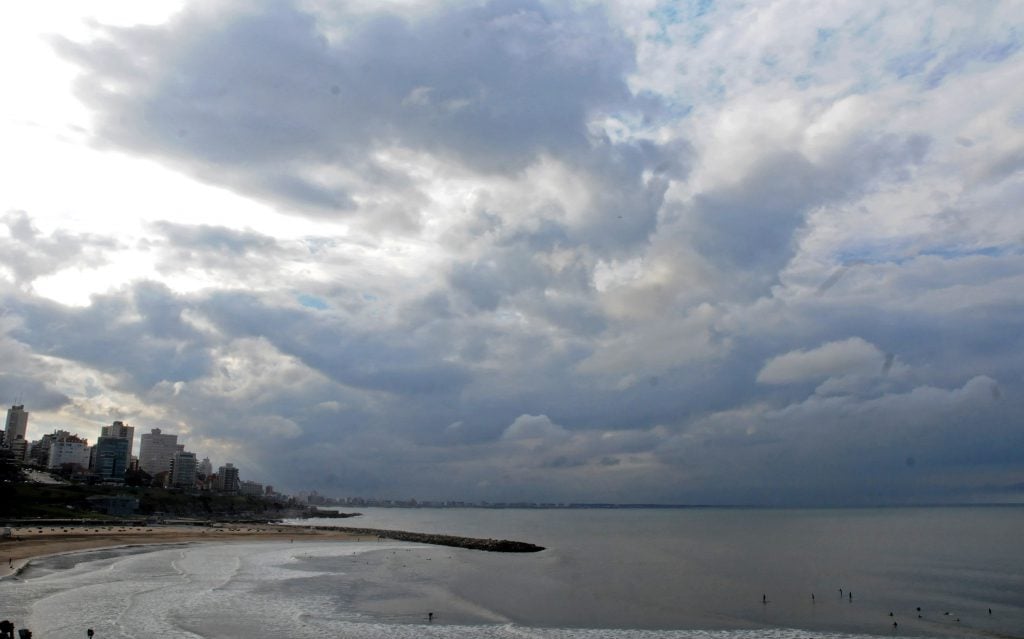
215, 591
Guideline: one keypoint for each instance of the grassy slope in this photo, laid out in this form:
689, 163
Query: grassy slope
39, 500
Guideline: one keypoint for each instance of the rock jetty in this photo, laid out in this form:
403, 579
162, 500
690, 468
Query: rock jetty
323, 514
473, 543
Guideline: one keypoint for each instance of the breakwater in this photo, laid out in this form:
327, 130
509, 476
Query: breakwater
324, 514
472, 543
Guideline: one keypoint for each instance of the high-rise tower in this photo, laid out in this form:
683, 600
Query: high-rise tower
17, 425
156, 451
183, 470
120, 429
111, 458
227, 479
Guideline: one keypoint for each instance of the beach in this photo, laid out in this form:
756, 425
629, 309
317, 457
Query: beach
30, 542
699, 573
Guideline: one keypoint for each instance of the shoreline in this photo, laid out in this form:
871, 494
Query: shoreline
28, 543
36, 541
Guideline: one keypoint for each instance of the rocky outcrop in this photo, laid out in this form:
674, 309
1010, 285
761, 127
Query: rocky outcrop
473, 543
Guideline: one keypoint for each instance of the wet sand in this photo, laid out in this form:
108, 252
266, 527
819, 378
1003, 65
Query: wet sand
28, 543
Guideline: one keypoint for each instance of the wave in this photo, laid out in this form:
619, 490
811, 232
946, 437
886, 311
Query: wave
299, 591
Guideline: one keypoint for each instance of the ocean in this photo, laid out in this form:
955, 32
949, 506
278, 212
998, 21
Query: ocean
606, 574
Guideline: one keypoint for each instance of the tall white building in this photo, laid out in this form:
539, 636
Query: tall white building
39, 452
156, 451
68, 450
183, 470
122, 430
17, 425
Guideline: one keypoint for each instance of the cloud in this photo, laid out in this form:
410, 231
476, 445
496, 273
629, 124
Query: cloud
850, 448
140, 335
347, 353
215, 238
751, 226
516, 250
258, 99
32, 392
834, 359
537, 427
29, 255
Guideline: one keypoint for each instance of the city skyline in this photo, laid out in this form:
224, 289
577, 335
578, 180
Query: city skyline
158, 451
728, 252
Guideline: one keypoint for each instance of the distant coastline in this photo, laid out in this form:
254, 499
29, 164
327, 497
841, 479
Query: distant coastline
630, 506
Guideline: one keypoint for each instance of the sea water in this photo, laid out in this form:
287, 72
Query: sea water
615, 574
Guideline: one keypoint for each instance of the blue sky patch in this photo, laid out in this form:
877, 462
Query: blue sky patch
312, 301
667, 14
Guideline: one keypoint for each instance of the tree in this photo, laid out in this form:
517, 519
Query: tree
137, 477
9, 471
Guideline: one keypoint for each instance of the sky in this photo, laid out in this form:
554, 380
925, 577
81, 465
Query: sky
649, 251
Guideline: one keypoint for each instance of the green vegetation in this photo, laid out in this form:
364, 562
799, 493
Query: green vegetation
71, 501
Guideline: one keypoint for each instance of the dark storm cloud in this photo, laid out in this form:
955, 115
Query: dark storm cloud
486, 281
378, 360
254, 97
139, 336
850, 450
750, 227
625, 206
25, 389
482, 282
533, 426
957, 316
921, 362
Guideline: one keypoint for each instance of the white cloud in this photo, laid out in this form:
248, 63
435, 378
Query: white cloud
534, 427
834, 359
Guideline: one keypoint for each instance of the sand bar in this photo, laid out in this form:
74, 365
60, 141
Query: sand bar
28, 542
